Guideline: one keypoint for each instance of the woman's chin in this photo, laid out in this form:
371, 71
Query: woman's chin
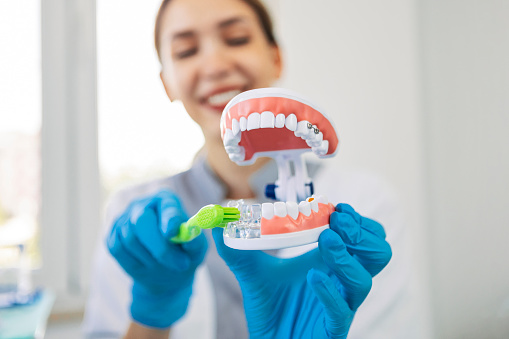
213, 137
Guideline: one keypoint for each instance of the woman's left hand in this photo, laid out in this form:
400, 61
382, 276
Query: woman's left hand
316, 294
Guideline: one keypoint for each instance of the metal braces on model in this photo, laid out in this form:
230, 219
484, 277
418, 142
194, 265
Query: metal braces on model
278, 123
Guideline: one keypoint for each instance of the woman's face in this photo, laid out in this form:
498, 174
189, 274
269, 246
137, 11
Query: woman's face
211, 50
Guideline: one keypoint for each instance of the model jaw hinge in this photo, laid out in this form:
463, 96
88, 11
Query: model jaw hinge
293, 183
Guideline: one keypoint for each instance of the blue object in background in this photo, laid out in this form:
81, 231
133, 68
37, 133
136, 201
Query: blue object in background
29, 320
10, 296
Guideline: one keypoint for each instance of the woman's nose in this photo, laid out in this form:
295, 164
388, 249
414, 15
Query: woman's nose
216, 63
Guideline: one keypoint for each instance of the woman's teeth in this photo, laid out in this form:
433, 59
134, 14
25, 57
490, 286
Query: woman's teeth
222, 98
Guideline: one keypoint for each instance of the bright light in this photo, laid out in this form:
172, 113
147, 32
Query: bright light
140, 131
20, 89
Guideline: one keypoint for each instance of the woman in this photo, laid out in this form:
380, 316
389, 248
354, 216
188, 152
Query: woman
209, 52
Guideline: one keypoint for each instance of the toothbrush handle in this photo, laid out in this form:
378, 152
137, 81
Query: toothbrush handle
186, 233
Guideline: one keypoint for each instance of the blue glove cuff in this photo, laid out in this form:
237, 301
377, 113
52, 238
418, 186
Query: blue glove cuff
159, 310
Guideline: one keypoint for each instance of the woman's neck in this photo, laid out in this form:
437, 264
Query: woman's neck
235, 177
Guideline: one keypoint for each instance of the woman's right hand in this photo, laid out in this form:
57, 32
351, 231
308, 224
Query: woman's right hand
162, 271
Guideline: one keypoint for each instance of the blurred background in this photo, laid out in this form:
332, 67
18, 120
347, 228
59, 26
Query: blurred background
419, 92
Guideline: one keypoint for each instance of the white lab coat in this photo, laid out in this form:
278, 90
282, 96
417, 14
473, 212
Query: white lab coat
393, 309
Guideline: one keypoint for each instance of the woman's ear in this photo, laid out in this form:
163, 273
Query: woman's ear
166, 88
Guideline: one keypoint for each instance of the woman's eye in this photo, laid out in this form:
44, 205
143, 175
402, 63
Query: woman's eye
237, 41
186, 53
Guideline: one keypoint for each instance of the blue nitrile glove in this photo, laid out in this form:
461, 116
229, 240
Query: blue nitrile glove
316, 294
162, 271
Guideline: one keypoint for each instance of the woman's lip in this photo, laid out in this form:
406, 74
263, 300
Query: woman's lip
222, 90
204, 99
218, 108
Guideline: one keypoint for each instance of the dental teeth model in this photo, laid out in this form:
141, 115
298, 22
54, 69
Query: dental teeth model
280, 124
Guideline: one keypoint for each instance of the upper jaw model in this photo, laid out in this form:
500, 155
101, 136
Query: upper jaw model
280, 124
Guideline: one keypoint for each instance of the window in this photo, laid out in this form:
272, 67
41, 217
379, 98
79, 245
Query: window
65, 115
140, 131
20, 124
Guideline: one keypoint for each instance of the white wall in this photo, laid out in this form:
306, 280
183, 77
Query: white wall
465, 47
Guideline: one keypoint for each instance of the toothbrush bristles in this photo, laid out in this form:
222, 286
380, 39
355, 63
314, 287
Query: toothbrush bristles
230, 214
231, 210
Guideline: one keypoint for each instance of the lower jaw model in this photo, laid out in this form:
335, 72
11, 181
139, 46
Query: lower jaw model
278, 123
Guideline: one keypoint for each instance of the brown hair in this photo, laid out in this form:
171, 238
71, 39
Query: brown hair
257, 6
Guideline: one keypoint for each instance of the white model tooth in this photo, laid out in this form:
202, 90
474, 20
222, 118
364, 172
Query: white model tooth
235, 157
243, 124
292, 209
267, 210
302, 129
267, 120
280, 209
314, 205
311, 135
229, 139
322, 199
238, 156
322, 149
233, 149
280, 120
312, 132
315, 140
235, 126
305, 208
253, 121
291, 122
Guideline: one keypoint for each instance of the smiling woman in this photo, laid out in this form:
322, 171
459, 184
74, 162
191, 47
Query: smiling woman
209, 52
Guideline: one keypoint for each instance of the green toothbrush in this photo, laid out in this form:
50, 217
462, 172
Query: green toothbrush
209, 216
